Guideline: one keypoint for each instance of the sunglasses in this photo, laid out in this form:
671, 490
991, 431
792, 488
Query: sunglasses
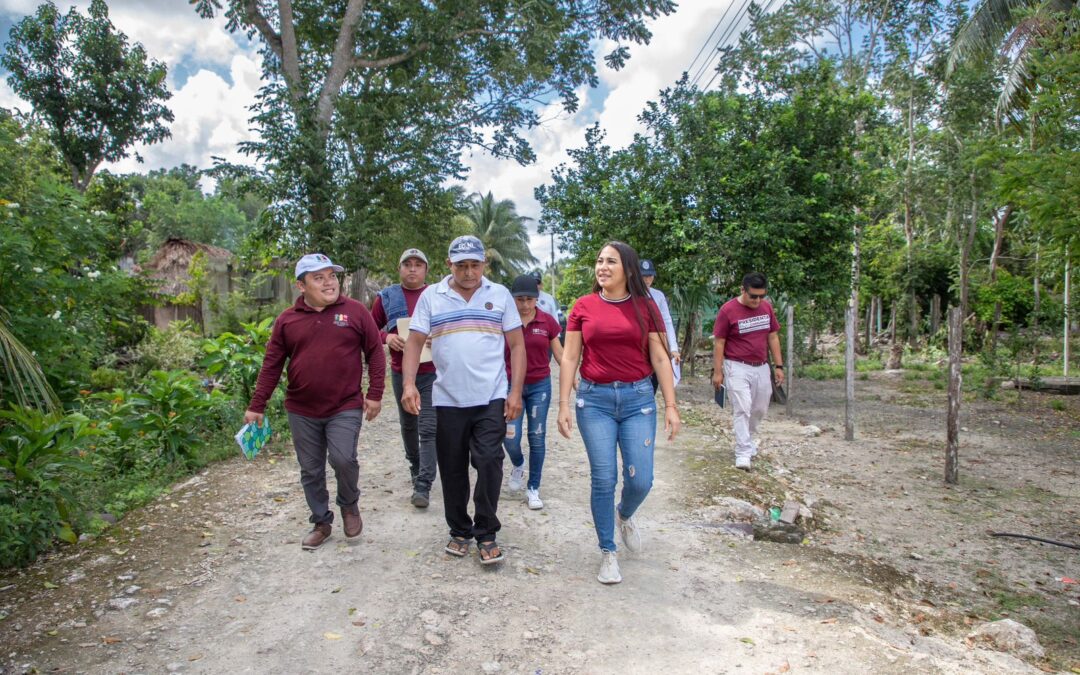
757, 296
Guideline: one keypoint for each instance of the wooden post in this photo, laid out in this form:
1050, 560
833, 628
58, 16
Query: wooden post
1068, 319
789, 358
869, 326
879, 303
850, 317
935, 314
952, 425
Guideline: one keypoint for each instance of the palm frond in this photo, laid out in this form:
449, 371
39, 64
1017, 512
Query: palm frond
986, 28
22, 374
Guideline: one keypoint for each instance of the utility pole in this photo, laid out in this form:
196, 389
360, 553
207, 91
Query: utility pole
553, 262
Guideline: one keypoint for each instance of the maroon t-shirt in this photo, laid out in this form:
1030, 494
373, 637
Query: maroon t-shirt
538, 335
325, 351
379, 314
613, 348
745, 330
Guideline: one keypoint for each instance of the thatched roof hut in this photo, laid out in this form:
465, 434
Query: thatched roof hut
171, 269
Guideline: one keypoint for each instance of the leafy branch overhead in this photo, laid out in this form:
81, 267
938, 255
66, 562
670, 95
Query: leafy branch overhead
97, 94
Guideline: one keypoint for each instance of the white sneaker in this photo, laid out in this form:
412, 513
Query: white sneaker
753, 452
742, 463
609, 568
534, 499
628, 532
517, 478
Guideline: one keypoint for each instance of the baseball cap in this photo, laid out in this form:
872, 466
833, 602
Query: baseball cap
313, 262
525, 285
538, 275
467, 247
648, 269
413, 253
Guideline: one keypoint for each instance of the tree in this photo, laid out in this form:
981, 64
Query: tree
97, 94
504, 233
471, 71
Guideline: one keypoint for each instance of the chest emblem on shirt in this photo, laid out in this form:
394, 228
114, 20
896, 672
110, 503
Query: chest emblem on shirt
341, 319
754, 324
488, 305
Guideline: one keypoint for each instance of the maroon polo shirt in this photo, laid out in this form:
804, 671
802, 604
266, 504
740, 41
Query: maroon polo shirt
325, 352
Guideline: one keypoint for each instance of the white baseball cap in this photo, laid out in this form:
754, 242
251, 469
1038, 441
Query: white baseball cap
413, 253
313, 262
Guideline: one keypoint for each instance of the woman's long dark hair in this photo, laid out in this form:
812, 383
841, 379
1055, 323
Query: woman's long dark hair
636, 285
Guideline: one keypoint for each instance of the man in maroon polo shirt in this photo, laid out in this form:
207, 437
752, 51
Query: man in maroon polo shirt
745, 328
325, 337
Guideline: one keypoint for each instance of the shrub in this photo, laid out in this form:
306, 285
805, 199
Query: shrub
107, 378
169, 414
175, 348
236, 359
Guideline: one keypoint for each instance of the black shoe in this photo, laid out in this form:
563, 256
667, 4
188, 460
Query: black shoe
420, 500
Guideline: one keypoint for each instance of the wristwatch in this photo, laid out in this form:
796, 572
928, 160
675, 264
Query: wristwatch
781, 366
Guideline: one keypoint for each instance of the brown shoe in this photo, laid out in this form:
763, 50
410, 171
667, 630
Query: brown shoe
351, 520
315, 539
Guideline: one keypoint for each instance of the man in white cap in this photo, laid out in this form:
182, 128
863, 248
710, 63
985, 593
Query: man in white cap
325, 337
417, 431
470, 320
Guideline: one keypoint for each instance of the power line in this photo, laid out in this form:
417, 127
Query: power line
764, 11
720, 41
706, 43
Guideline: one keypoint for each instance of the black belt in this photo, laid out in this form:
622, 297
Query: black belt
754, 364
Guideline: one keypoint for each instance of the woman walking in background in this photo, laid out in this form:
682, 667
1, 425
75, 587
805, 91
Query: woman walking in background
617, 334
541, 332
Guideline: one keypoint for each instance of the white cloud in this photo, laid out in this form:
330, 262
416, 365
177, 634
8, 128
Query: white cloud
658, 65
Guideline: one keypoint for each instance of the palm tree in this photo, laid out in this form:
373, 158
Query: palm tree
1016, 28
19, 370
504, 233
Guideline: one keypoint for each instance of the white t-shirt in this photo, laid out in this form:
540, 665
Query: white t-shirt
547, 303
467, 341
669, 326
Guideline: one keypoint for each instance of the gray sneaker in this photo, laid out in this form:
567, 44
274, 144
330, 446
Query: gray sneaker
609, 568
628, 532
420, 500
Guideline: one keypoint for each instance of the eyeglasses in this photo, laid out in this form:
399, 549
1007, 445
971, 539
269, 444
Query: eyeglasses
757, 296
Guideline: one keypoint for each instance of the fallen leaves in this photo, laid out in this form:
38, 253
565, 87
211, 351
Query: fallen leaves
110, 640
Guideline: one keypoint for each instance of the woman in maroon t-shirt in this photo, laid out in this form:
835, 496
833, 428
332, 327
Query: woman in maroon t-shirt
618, 335
541, 332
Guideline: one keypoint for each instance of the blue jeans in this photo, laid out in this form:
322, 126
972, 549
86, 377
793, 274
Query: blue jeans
618, 416
535, 399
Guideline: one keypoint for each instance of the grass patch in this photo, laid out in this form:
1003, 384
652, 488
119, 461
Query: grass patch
836, 371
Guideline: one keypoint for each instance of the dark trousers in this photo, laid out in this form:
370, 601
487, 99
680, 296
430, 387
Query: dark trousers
319, 439
418, 431
471, 436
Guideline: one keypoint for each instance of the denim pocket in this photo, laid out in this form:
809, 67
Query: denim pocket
644, 388
585, 387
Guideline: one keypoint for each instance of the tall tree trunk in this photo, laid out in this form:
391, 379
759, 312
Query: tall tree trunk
896, 347
966, 243
690, 339
1000, 220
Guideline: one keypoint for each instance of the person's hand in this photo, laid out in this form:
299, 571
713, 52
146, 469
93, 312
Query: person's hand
717, 379
672, 423
779, 374
410, 399
676, 358
395, 342
512, 407
252, 416
371, 409
566, 420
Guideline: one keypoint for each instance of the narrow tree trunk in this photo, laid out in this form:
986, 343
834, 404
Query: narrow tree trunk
851, 317
896, 348
952, 425
935, 314
690, 340
789, 358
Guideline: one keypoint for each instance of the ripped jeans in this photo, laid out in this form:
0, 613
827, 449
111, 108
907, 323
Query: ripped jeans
620, 416
536, 400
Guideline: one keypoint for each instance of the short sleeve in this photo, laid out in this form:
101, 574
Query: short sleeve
511, 318
573, 322
421, 317
720, 326
553, 326
654, 318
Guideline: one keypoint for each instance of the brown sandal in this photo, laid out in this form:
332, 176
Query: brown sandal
457, 547
494, 553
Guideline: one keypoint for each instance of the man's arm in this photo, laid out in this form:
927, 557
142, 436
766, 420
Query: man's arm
516, 340
376, 366
718, 362
777, 358
669, 326
269, 375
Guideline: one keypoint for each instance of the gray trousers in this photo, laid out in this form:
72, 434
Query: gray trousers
418, 431
317, 440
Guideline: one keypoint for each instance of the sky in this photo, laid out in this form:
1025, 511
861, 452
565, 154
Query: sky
214, 77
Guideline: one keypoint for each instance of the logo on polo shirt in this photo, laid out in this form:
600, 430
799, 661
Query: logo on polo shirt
488, 305
341, 319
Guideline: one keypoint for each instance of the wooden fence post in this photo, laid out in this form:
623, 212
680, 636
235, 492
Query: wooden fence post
850, 317
935, 314
789, 358
952, 425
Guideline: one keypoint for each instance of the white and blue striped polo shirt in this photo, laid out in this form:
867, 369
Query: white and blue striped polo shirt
467, 340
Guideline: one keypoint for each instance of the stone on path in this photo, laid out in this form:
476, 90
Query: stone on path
1009, 636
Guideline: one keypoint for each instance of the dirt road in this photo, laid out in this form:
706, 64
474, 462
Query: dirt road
211, 579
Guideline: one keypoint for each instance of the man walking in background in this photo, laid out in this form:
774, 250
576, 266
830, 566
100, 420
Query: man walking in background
648, 275
392, 304
325, 337
546, 302
745, 329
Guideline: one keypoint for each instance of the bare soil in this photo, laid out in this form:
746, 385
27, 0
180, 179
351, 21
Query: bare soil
211, 577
